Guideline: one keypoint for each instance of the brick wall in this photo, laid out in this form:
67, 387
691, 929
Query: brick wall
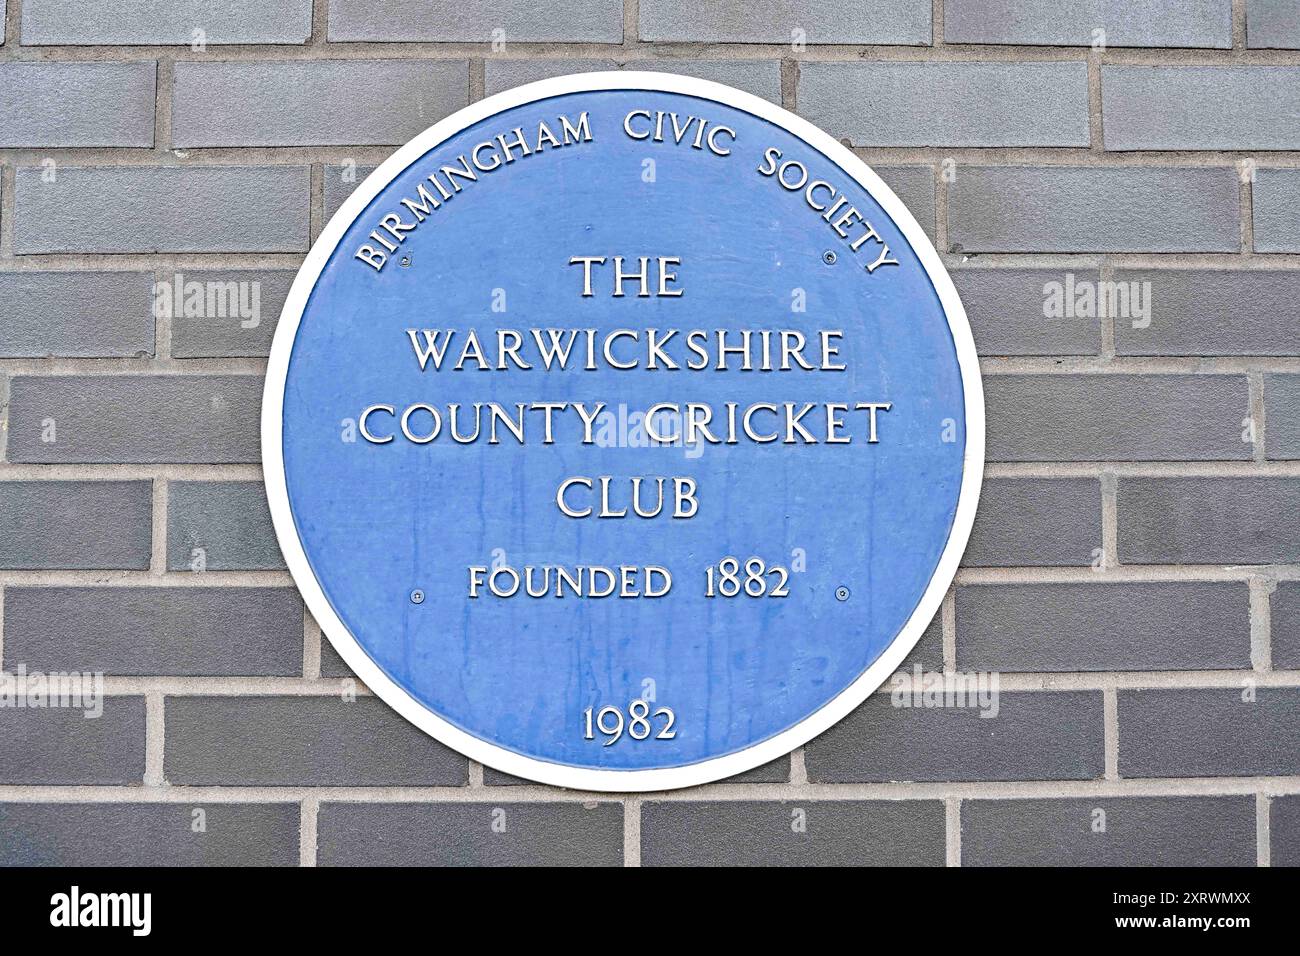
1134, 573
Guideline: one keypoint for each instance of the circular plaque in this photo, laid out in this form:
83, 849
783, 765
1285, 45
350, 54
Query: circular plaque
623, 431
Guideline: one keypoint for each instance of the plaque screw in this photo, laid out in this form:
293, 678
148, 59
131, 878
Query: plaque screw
406, 261
417, 596
829, 257
841, 593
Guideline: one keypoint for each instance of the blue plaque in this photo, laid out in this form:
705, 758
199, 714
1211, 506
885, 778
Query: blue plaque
623, 431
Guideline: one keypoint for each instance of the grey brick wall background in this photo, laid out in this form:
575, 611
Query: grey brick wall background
1135, 568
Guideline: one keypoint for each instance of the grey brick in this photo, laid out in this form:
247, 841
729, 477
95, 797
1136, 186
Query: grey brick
1054, 522
1094, 209
331, 665
1139, 831
66, 746
1276, 207
1188, 520
162, 209
928, 652
1282, 416
1116, 417
106, 22
1284, 828
1209, 732
476, 21
838, 833
229, 521
470, 834
76, 314
1203, 107
340, 181
1284, 607
1045, 735
302, 741
914, 185
75, 525
760, 77
1008, 311
320, 103
209, 419
904, 22
1272, 24
234, 320
133, 631
1211, 312
948, 104
1172, 625
76, 104
774, 771
148, 834
1159, 23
